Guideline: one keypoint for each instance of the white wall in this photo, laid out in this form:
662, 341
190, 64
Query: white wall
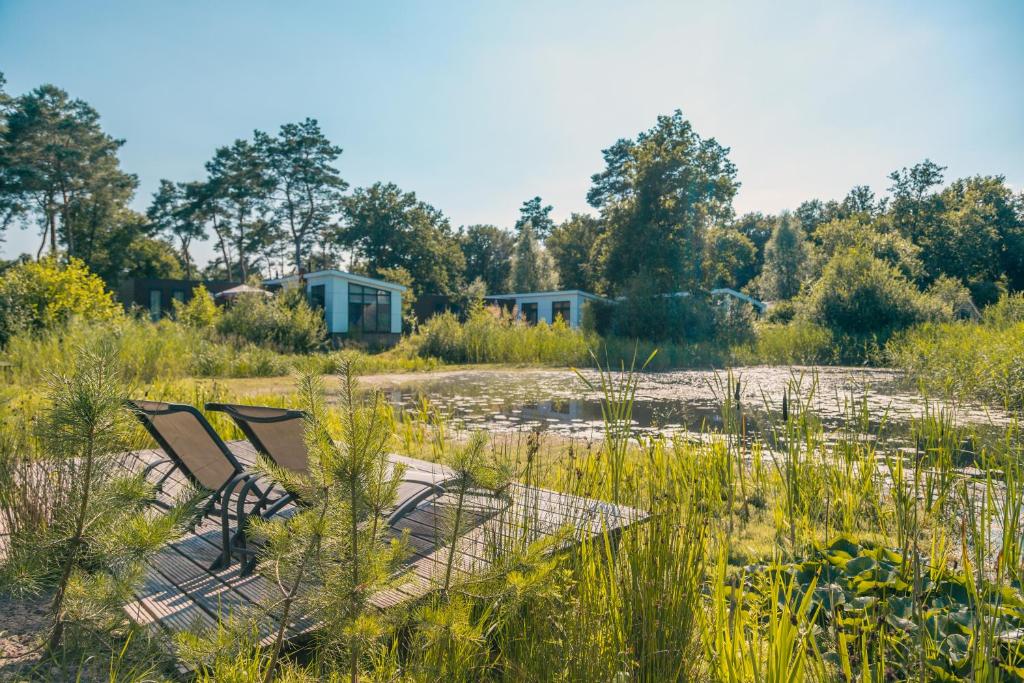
336, 303
545, 304
396, 312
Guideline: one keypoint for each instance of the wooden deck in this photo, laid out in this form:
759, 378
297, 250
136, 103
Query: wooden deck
181, 592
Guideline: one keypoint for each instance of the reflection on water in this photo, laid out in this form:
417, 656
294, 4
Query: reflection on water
670, 402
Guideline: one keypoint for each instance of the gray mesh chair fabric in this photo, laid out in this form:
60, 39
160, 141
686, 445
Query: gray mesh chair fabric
277, 433
189, 440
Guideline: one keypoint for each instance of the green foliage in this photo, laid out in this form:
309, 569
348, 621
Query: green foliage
1006, 312
45, 295
645, 313
864, 591
200, 312
59, 167
571, 245
858, 232
967, 360
488, 253
492, 336
795, 343
860, 295
787, 261
284, 322
305, 189
730, 259
333, 554
88, 532
657, 196
389, 228
532, 267
538, 216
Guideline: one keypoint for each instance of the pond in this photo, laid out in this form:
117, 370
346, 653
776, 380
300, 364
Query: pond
677, 402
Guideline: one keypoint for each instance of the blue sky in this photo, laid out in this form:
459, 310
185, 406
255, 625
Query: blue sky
477, 106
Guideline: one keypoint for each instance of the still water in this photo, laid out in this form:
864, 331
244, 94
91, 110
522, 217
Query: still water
678, 402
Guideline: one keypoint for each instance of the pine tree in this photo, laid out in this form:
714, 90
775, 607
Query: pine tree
532, 269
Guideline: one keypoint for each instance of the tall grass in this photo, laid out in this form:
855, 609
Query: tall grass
863, 553
149, 352
492, 336
966, 360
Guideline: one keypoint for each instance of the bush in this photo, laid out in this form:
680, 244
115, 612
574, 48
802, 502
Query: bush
284, 322
781, 312
955, 298
859, 295
1006, 312
201, 312
46, 294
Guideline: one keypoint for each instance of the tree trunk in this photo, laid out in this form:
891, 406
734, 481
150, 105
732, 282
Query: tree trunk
188, 261
58, 599
53, 233
67, 223
223, 246
241, 245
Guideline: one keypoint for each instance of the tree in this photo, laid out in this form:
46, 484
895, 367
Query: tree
238, 177
8, 200
306, 188
537, 215
532, 269
814, 212
174, 213
913, 211
841, 234
99, 520
54, 156
730, 259
658, 195
488, 253
204, 206
756, 227
786, 260
336, 551
388, 228
571, 245
974, 236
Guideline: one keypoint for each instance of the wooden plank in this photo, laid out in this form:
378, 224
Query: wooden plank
180, 591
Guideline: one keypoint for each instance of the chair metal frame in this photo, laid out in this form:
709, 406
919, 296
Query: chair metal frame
219, 500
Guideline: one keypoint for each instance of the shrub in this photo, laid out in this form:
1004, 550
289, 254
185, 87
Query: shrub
859, 295
954, 297
201, 312
781, 312
46, 294
1008, 311
733, 322
284, 322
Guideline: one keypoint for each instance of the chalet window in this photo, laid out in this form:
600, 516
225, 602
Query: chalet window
318, 297
369, 309
529, 312
155, 299
561, 309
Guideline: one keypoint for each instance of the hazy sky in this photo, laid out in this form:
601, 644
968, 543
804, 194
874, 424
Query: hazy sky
477, 106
